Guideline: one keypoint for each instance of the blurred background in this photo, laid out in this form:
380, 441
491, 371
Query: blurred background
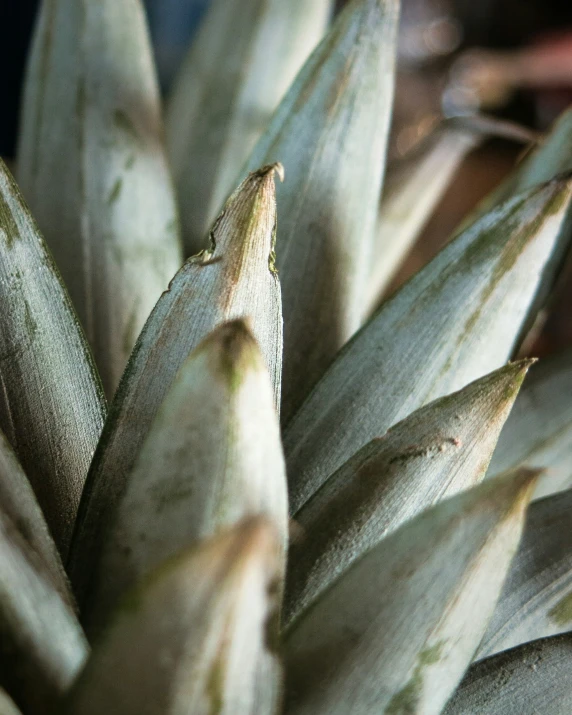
508, 58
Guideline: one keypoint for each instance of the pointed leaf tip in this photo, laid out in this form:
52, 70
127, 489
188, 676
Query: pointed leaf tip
209, 613
212, 457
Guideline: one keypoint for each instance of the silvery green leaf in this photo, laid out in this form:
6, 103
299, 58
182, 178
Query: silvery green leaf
43, 646
211, 458
536, 600
538, 432
195, 637
7, 706
234, 278
18, 502
409, 200
330, 132
532, 679
460, 317
395, 633
92, 165
242, 61
51, 404
437, 451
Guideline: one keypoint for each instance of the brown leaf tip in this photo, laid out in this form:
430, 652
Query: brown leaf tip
235, 351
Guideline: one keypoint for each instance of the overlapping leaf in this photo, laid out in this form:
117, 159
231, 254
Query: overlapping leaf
43, 646
395, 633
51, 405
196, 637
92, 165
212, 457
435, 452
537, 597
538, 432
232, 279
244, 57
330, 132
18, 502
532, 679
459, 318
409, 200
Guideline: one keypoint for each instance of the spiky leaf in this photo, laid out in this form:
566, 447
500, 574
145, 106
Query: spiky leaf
212, 457
437, 451
409, 200
536, 600
91, 163
532, 679
330, 133
51, 405
395, 633
233, 279
42, 645
194, 637
538, 432
244, 57
459, 318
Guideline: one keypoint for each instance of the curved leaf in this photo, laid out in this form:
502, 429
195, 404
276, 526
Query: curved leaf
408, 202
18, 502
395, 633
51, 404
233, 279
91, 163
330, 132
211, 457
538, 432
532, 679
193, 637
244, 57
43, 646
437, 451
459, 318
536, 600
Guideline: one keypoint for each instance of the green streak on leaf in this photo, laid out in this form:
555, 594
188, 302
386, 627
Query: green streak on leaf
31, 325
561, 614
115, 191
124, 123
406, 700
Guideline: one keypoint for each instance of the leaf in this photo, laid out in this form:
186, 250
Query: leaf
245, 55
437, 451
43, 646
395, 633
7, 706
19, 504
233, 279
538, 432
536, 600
211, 457
330, 132
51, 404
459, 318
92, 165
409, 201
193, 637
534, 678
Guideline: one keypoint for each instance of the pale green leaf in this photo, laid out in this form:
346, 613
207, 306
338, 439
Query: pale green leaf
234, 278
244, 57
7, 706
529, 680
461, 317
330, 133
195, 637
537, 597
211, 457
92, 165
18, 502
395, 633
51, 404
409, 200
43, 646
437, 451
538, 432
